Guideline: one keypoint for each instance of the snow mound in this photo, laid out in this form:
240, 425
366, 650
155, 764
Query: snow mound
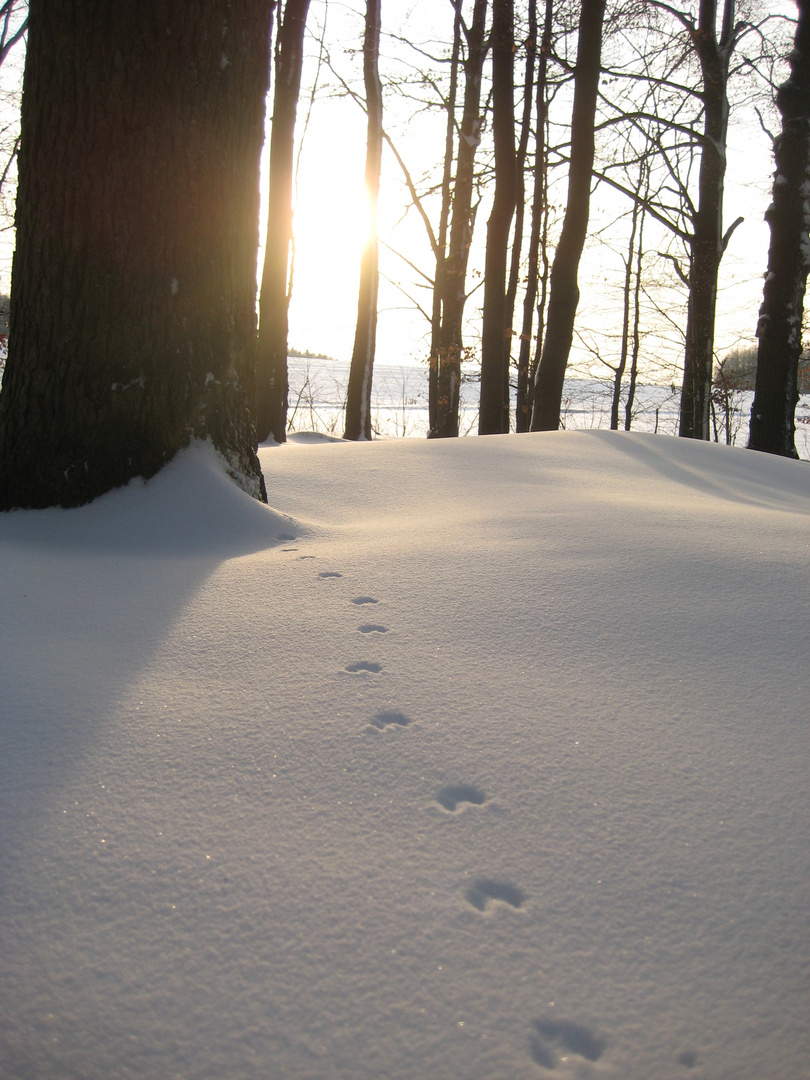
497, 769
191, 508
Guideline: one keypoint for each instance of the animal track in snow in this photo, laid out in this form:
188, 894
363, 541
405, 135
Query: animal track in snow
372, 628
362, 667
688, 1059
552, 1035
451, 795
389, 719
485, 890
329, 574
364, 600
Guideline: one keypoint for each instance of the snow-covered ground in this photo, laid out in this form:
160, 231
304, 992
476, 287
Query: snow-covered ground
475, 759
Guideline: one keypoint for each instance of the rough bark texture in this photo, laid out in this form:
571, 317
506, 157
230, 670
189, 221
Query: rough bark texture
564, 292
493, 416
358, 399
133, 323
454, 276
271, 362
780, 318
707, 239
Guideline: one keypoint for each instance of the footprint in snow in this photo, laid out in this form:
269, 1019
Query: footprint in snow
452, 795
553, 1036
363, 667
487, 890
329, 574
384, 720
372, 628
364, 600
301, 558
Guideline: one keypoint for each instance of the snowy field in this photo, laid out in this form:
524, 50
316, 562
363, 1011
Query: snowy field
399, 404
474, 760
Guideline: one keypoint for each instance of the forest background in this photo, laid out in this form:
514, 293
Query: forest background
632, 275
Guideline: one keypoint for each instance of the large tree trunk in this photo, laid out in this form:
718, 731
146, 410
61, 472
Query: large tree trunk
358, 400
454, 277
493, 416
564, 293
780, 318
133, 322
707, 239
271, 361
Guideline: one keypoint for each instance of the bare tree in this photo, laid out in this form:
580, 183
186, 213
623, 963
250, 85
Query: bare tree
454, 275
358, 402
538, 230
444, 221
13, 27
708, 242
564, 294
779, 329
493, 416
274, 299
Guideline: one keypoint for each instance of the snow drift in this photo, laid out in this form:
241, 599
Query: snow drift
480, 759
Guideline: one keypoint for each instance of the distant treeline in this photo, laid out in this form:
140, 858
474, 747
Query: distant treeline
307, 355
738, 371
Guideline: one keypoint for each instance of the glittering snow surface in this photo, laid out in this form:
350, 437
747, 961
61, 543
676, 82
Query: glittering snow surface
472, 759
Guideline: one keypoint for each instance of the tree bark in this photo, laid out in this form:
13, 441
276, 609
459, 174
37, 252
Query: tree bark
274, 300
707, 239
564, 292
358, 400
636, 348
454, 278
539, 216
493, 416
133, 320
780, 318
444, 224
625, 342
520, 183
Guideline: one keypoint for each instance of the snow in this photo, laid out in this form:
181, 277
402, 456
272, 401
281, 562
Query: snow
484, 758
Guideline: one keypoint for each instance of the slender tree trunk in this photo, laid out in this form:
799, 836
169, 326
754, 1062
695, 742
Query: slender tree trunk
358, 400
564, 294
636, 349
493, 416
538, 216
454, 279
707, 240
133, 321
444, 222
780, 318
271, 363
520, 196
626, 303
